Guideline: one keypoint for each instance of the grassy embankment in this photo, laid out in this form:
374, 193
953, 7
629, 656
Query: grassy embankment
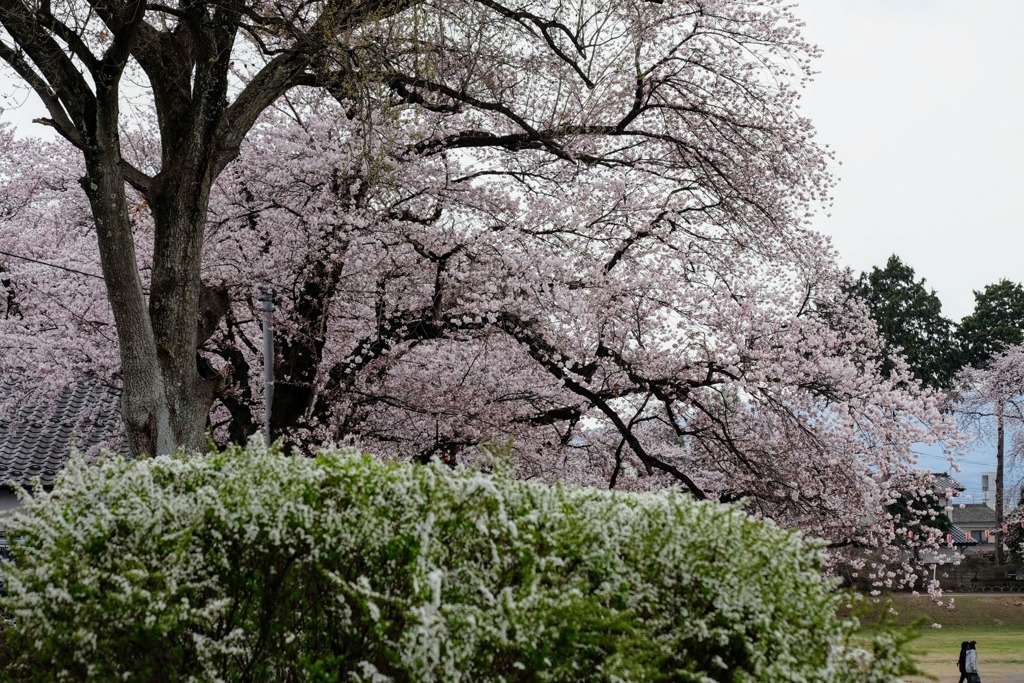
994, 620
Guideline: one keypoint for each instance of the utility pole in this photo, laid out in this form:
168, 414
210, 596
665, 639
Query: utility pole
1000, 459
267, 307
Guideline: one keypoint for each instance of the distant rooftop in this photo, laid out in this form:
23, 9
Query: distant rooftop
973, 513
942, 481
36, 437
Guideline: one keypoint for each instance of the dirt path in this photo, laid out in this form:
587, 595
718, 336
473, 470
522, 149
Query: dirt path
945, 671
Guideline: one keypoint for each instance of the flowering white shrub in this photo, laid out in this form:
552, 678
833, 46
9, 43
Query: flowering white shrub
251, 565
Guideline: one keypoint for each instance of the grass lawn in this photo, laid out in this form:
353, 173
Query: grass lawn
995, 621
995, 644
1000, 653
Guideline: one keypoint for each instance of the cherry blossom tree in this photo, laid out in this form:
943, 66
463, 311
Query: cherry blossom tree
575, 230
995, 393
411, 331
694, 93
991, 337
1015, 531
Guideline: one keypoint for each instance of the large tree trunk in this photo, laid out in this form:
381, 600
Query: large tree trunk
165, 402
147, 416
179, 204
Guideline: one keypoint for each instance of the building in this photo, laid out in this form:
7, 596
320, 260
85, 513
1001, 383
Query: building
976, 520
37, 437
988, 489
947, 488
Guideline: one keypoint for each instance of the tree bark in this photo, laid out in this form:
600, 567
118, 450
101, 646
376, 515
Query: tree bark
179, 210
146, 415
165, 402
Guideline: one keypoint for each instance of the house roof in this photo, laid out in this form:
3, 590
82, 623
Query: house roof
36, 437
942, 482
973, 513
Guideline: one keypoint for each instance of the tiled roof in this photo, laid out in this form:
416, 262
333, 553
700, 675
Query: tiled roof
973, 513
36, 438
938, 482
942, 481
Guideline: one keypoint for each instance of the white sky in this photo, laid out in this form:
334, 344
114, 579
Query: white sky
922, 102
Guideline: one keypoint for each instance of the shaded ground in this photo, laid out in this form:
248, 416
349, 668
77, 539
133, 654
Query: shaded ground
969, 610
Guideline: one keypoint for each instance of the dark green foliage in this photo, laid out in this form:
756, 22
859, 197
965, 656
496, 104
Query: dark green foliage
910, 323
996, 324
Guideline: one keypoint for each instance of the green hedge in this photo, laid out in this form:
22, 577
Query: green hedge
248, 565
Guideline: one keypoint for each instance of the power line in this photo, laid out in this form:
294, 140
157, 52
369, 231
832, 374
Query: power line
51, 265
957, 460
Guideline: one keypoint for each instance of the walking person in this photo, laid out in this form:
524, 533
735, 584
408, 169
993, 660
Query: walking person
960, 662
971, 663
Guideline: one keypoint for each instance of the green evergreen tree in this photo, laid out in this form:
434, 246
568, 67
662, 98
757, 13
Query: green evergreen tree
910, 323
996, 324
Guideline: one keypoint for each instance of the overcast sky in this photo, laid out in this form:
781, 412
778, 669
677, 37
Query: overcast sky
922, 101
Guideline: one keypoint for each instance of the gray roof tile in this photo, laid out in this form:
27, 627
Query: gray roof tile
36, 437
942, 481
973, 513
